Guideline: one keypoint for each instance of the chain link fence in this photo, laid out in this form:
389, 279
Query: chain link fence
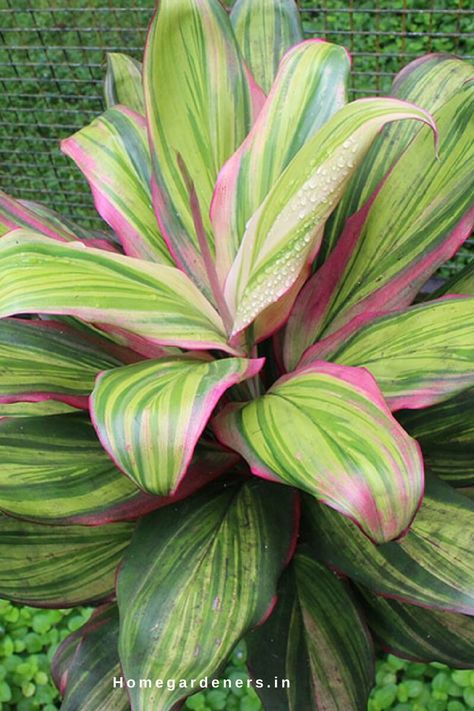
52, 64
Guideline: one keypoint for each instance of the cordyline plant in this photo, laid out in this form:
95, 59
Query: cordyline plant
197, 425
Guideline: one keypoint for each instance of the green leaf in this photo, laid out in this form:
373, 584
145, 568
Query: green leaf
196, 577
286, 230
112, 152
418, 357
42, 360
198, 107
446, 434
415, 222
123, 82
327, 430
460, 283
314, 74
150, 302
429, 82
265, 30
315, 638
433, 566
86, 681
415, 633
149, 416
59, 566
54, 470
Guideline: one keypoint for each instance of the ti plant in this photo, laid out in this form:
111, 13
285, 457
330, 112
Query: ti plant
215, 416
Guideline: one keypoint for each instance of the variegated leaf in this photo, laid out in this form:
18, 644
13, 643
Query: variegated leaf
316, 640
123, 82
202, 123
195, 579
429, 82
150, 416
265, 30
286, 230
54, 470
433, 566
310, 87
153, 302
113, 154
43, 360
327, 430
86, 677
419, 356
59, 566
392, 246
446, 434
416, 633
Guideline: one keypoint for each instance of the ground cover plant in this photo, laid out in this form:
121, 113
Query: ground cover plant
218, 416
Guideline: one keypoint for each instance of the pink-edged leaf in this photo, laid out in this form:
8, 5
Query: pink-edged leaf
327, 430
419, 356
416, 220
199, 107
149, 416
309, 88
113, 154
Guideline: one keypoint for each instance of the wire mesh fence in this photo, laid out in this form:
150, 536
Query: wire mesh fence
52, 64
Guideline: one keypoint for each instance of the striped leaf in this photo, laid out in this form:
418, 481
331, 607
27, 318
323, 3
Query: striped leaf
86, 679
43, 360
316, 640
32, 215
391, 248
286, 230
433, 566
149, 416
123, 82
314, 74
327, 430
446, 434
54, 470
155, 302
203, 122
33, 409
59, 566
113, 154
195, 579
265, 30
429, 82
418, 357
415, 633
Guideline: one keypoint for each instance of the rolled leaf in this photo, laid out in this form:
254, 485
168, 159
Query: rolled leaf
431, 567
196, 578
86, 680
43, 360
59, 566
429, 82
327, 430
191, 45
316, 640
286, 230
446, 434
123, 82
152, 301
393, 245
265, 30
150, 416
54, 470
418, 357
425, 635
112, 152
310, 87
